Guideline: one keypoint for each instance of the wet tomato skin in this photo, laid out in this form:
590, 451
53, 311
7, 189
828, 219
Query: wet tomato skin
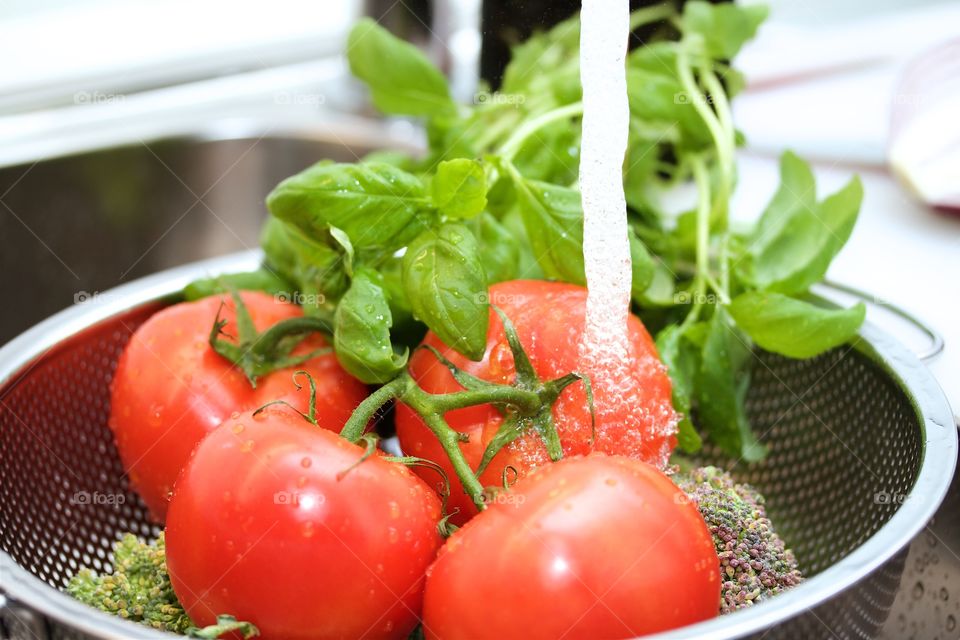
589, 547
171, 388
264, 525
635, 415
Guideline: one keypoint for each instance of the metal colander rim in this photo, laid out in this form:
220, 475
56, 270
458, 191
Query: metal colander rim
939, 457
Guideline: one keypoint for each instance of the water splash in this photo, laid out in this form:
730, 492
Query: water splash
605, 28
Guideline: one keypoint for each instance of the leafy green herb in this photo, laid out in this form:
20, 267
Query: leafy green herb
446, 285
376, 205
460, 188
720, 395
796, 238
416, 241
400, 78
724, 27
553, 218
499, 249
794, 328
263, 279
361, 331
682, 359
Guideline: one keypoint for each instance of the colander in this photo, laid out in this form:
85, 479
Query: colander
862, 451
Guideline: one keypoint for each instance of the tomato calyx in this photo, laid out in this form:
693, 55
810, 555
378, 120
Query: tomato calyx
259, 353
526, 403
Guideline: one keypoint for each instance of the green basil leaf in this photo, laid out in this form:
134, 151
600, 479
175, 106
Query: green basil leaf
796, 196
682, 359
361, 332
792, 327
316, 268
658, 97
499, 248
536, 63
528, 268
401, 79
263, 279
447, 288
661, 292
552, 155
640, 169
721, 388
341, 238
725, 28
642, 264
460, 188
553, 217
377, 205
796, 238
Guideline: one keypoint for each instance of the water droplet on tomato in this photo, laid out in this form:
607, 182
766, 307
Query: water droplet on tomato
301, 481
237, 428
611, 482
305, 462
501, 361
247, 446
392, 535
235, 415
307, 529
394, 509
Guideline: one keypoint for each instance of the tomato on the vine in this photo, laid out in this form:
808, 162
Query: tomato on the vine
287, 526
171, 388
634, 418
588, 547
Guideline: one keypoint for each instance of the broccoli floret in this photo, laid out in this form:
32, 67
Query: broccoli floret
754, 562
138, 589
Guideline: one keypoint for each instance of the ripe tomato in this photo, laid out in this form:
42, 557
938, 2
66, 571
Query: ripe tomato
589, 547
635, 419
171, 388
264, 526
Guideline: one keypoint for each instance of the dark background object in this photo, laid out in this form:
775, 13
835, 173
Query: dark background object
510, 22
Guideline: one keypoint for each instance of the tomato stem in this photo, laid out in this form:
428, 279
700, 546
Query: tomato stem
527, 403
355, 426
258, 354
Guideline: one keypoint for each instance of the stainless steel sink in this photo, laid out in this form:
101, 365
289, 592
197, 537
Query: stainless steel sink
73, 226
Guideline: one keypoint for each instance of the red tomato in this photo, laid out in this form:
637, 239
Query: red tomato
171, 388
262, 527
589, 547
635, 418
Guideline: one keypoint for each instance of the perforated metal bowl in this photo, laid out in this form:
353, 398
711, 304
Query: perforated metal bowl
862, 450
